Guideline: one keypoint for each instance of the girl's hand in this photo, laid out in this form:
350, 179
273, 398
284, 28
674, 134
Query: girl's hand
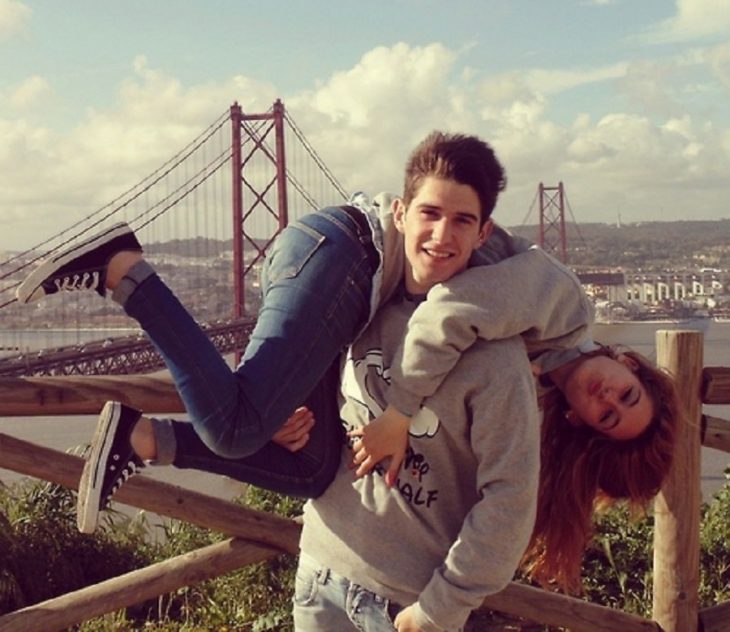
405, 622
385, 436
294, 434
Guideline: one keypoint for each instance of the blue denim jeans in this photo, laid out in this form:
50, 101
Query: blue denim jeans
324, 600
316, 297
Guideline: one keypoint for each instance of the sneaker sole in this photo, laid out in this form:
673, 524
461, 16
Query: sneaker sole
30, 290
92, 478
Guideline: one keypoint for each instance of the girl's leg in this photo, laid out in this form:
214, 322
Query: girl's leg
316, 299
307, 472
112, 459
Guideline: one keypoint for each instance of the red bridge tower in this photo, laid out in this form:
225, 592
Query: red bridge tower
552, 221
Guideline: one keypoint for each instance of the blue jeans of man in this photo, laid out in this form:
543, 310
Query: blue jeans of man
324, 600
316, 297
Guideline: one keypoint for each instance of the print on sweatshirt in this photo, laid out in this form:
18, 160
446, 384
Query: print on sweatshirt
363, 379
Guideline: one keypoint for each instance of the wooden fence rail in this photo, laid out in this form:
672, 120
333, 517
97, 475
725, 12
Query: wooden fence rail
156, 496
156, 394
263, 533
259, 535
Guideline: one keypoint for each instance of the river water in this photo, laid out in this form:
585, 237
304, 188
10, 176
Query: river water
67, 433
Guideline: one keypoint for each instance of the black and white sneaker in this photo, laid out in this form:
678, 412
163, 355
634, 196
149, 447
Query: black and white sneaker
109, 465
81, 267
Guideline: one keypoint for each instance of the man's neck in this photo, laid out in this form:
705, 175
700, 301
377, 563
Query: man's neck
402, 293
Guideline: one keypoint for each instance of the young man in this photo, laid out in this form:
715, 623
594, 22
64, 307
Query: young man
427, 550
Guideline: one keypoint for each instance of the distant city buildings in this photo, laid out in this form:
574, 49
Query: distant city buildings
637, 294
204, 285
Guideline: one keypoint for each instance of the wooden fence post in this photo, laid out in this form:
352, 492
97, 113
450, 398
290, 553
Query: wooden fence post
677, 507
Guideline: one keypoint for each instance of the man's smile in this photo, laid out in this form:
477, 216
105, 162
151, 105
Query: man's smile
438, 254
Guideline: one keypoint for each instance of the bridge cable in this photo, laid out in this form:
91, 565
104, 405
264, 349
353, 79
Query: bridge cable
532, 206
174, 162
575, 223
315, 156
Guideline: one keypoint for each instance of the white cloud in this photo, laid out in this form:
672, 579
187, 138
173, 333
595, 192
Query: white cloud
50, 180
718, 60
652, 85
29, 92
694, 19
363, 121
525, 84
13, 17
554, 81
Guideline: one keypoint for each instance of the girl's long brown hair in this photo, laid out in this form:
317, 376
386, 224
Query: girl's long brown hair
582, 470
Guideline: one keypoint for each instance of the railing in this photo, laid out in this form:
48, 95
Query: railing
258, 535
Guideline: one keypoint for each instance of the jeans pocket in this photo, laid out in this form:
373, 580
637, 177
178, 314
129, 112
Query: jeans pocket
306, 581
293, 248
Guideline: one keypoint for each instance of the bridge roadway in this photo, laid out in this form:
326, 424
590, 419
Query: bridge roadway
118, 356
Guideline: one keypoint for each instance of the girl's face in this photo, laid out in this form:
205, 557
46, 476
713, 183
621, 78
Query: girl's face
606, 395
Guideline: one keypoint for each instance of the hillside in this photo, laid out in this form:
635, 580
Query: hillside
648, 245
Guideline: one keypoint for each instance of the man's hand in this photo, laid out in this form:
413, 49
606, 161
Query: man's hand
294, 434
405, 622
385, 436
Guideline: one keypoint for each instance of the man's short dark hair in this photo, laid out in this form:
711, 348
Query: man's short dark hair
465, 159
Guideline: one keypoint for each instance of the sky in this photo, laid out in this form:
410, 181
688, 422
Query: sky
624, 101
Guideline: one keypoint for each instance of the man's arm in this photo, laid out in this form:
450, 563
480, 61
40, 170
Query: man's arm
505, 439
529, 294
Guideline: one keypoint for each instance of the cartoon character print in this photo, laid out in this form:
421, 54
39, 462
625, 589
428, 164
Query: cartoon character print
357, 384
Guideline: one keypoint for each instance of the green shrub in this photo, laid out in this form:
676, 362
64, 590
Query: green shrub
256, 597
715, 548
618, 566
43, 555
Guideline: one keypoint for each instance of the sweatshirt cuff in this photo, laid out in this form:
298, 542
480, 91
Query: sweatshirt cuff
423, 621
403, 401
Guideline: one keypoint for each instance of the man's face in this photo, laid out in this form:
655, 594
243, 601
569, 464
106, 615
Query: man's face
441, 228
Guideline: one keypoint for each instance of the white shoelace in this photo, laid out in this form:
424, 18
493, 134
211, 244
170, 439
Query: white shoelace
85, 281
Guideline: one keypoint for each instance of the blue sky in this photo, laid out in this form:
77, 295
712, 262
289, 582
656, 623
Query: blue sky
622, 100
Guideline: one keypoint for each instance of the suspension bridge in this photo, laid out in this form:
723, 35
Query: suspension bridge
206, 218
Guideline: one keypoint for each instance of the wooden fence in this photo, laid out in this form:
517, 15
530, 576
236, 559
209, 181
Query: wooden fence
257, 535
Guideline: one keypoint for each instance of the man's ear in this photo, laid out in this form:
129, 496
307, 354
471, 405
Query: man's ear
485, 231
399, 215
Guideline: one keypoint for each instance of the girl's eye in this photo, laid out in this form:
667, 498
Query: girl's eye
626, 396
606, 417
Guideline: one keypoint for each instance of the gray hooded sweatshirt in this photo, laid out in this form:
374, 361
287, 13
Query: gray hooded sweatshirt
454, 527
